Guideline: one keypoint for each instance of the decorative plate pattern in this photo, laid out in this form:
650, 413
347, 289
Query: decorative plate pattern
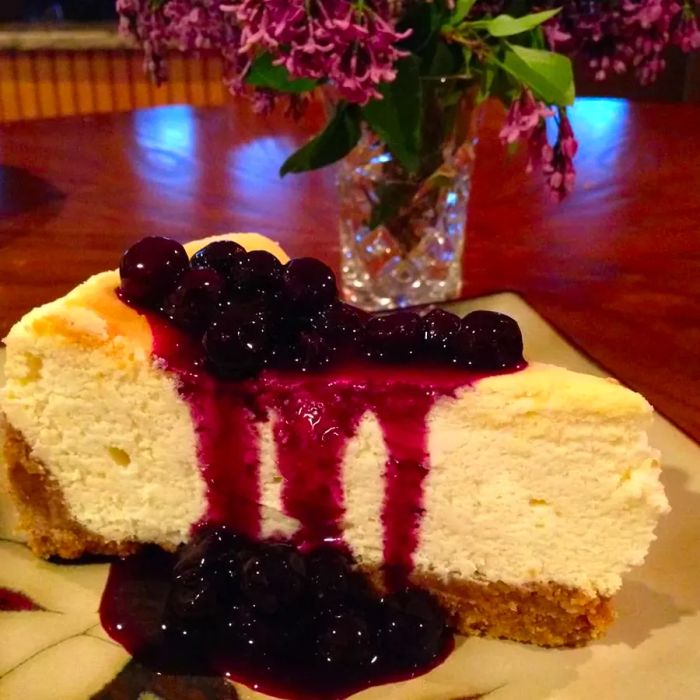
52, 646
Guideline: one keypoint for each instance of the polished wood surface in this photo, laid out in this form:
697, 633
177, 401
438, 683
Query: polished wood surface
616, 267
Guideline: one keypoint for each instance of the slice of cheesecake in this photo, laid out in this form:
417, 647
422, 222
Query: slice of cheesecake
517, 493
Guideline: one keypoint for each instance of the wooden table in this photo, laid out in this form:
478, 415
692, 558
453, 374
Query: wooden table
616, 267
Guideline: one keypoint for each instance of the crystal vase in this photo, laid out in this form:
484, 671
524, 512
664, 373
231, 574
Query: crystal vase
403, 233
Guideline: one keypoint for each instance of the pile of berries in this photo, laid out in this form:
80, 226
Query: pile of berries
264, 605
251, 311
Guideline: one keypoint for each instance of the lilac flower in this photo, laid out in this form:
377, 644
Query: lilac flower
558, 166
686, 33
632, 34
188, 25
524, 115
525, 121
540, 153
353, 46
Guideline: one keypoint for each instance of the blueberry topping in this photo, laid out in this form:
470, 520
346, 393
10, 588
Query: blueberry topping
343, 326
308, 283
151, 268
222, 256
243, 630
342, 639
195, 299
393, 337
264, 610
488, 340
413, 614
192, 598
258, 273
311, 351
273, 578
437, 330
236, 346
329, 572
251, 312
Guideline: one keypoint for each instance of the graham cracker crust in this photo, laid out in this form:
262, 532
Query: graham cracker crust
546, 614
43, 514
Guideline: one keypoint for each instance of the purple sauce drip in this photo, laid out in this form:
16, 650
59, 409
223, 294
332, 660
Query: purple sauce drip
14, 601
316, 415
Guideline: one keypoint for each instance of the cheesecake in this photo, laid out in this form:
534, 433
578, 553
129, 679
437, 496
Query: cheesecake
164, 398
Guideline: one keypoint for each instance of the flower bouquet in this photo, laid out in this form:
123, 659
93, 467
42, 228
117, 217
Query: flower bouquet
401, 79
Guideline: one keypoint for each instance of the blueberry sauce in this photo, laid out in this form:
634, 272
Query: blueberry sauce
253, 343
15, 601
315, 415
304, 627
402, 416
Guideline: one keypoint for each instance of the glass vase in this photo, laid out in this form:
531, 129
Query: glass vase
403, 233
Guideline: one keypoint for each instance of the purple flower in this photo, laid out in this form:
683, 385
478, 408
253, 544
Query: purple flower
188, 25
524, 115
539, 150
353, 46
686, 33
558, 163
525, 121
632, 34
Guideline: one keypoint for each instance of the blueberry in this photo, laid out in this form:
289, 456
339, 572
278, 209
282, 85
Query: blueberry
311, 351
308, 283
236, 345
257, 273
343, 326
192, 598
329, 572
299, 347
151, 268
413, 626
241, 311
393, 337
222, 256
437, 330
343, 639
273, 578
488, 340
240, 628
193, 302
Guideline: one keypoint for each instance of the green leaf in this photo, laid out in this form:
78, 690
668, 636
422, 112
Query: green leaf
462, 9
337, 139
548, 74
265, 74
157, 4
488, 75
396, 118
425, 20
505, 25
444, 61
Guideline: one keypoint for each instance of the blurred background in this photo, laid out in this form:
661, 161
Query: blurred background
70, 10
65, 57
